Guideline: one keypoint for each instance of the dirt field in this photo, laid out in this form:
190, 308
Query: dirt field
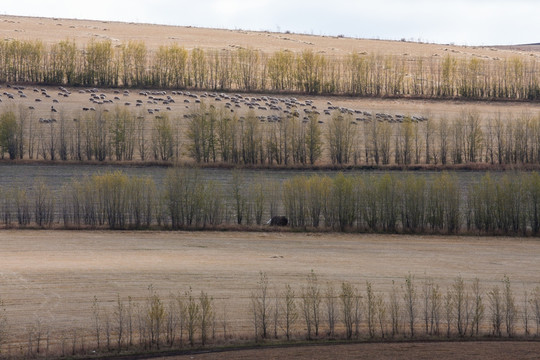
54, 275
418, 351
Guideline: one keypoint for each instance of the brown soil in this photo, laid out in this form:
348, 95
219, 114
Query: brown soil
416, 350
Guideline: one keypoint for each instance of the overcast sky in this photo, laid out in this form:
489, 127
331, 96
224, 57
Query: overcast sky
464, 22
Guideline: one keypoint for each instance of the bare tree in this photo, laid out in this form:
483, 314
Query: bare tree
448, 310
120, 319
460, 305
193, 315
427, 290
261, 306
478, 307
207, 313
410, 298
509, 307
311, 298
96, 314
347, 297
370, 309
330, 298
3, 323
496, 310
290, 311
381, 308
525, 313
340, 135
155, 316
395, 310
535, 305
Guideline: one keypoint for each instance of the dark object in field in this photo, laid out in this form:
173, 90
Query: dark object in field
278, 221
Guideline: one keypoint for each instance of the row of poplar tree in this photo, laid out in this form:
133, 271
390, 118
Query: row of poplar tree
412, 308
132, 64
213, 135
508, 204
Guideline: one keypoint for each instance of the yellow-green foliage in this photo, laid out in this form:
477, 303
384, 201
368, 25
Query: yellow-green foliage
8, 134
416, 203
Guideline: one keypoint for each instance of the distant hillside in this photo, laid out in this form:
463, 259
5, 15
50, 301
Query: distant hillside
53, 30
521, 47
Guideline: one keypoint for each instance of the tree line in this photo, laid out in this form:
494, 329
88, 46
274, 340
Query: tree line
215, 136
508, 204
118, 135
100, 63
412, 308
212, 135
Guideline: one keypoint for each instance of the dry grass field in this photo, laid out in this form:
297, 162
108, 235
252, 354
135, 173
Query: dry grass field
54, 275
82, 31
72, 107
